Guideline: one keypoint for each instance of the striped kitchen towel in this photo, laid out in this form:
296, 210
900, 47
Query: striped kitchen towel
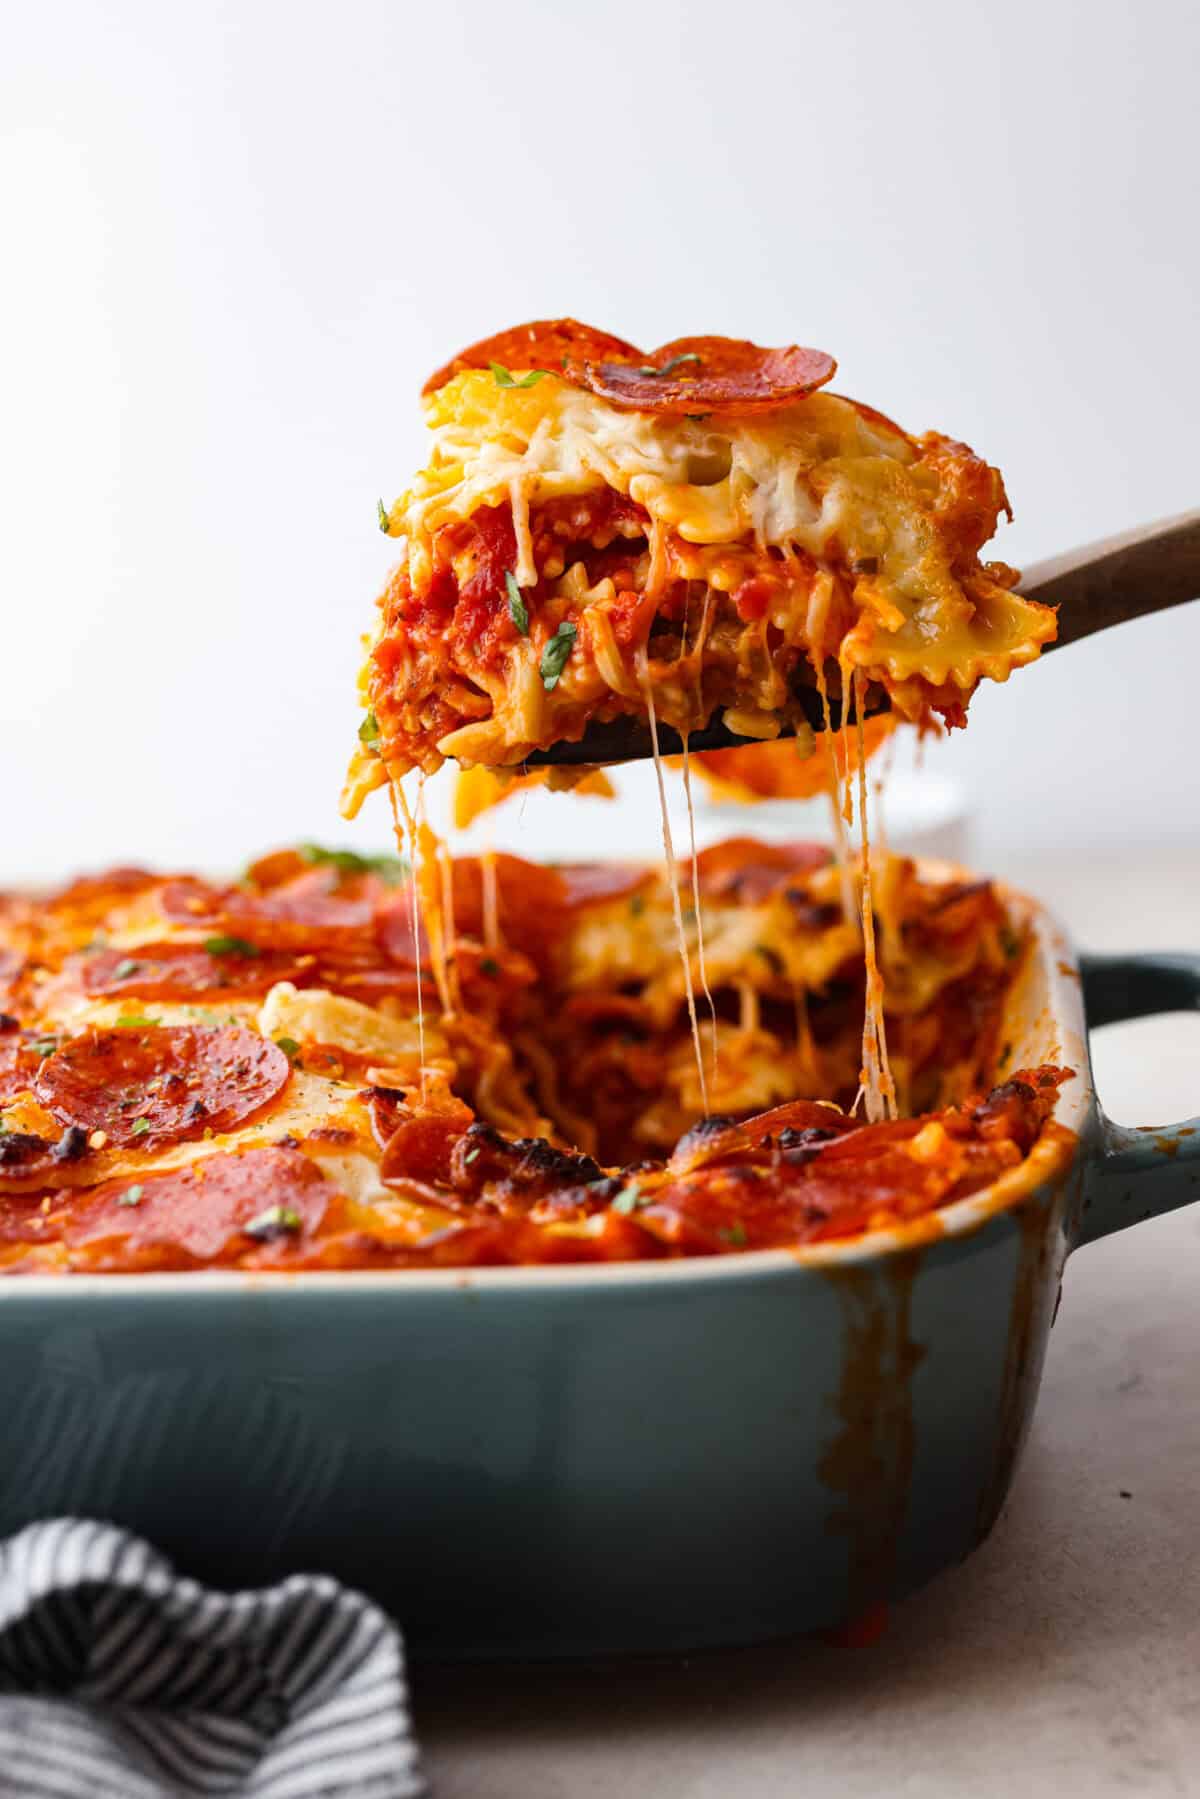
119, 1680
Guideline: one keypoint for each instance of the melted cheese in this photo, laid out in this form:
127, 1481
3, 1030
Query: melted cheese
312, 1015
821, 475
677, 910
400, 805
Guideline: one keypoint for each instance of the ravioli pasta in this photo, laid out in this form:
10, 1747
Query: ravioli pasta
577, 542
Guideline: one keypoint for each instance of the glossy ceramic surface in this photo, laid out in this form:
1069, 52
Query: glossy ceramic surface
592, 1460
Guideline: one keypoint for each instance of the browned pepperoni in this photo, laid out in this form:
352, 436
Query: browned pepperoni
179, 1080
420, 1147
741, 868
204, 1209
183, 971
690, 374
304, 915
588, 883
301, 916
542, 344
24, 1218
705, 374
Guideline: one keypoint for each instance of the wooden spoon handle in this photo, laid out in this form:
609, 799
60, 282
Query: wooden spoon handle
1125, 577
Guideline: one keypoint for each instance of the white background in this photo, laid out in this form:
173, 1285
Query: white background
237, 236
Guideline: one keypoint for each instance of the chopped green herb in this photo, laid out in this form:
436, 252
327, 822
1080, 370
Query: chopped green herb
629, 1199
668, 368
637, 904
289, 1046
276, 1221
44, 1046
132, 1196
368, 731
503, 378
517, 610
135, 1021
697, 418
1010, 943
771, 957
391, 869
489, 965
230, 946
140, 1127
735, 1234
472, 1155
124, 969
554, 656
385, 523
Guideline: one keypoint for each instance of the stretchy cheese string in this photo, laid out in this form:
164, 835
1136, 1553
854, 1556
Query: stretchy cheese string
698, 656
429, 882
704, 986
446, 870
876, 1071
490, 898
672, 881
841, 849
400, 803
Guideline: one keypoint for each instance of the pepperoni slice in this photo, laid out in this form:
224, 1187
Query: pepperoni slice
741, 868
690, 374
543, 344
184, 971
705, 374
94, 894
202, 1210
590, 883
160, 1084
304, 915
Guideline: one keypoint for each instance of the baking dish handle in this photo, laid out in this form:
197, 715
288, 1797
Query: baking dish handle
1133, 1174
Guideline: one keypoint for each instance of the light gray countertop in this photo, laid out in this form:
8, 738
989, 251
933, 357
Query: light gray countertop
1064, 1657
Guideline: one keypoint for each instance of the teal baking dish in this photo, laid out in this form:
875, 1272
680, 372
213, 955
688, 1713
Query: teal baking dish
599, 1459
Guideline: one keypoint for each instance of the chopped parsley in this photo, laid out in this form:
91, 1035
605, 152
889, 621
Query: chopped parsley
517, 610
276, 1221
230, 946
44, 1046
140, 1127
472, 1155
771, 957
637, 904
554, 656
289, 1046
734, 1234
668, 368
135, 1021
1010, 943
391, 869
368, 731
385, 523
629, 1199
124, 969
503, 378
132, 1196
489, 965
